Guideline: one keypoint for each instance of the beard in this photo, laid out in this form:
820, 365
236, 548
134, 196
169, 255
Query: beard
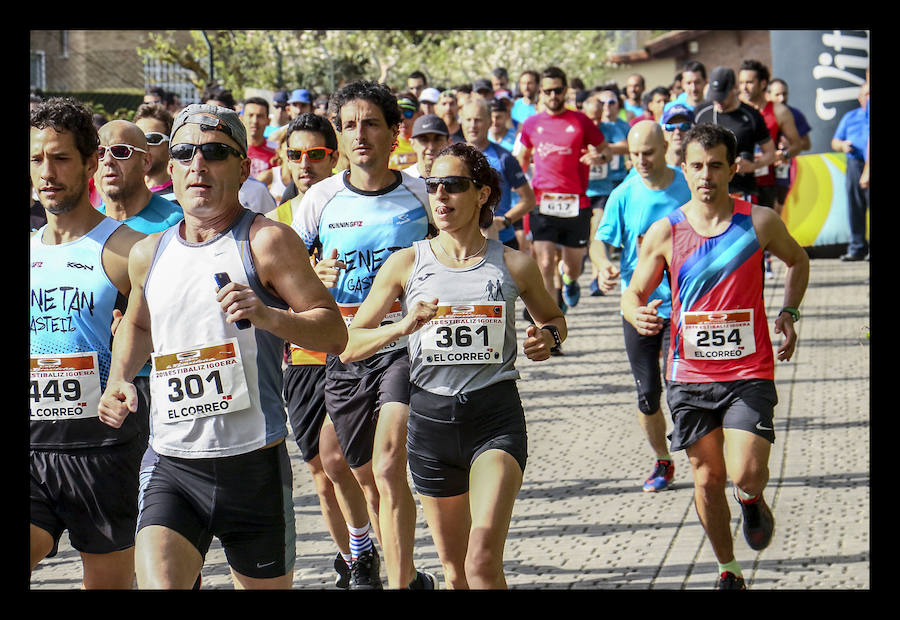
69, 201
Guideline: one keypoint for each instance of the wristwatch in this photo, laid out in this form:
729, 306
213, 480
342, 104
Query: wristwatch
554, 332
795, 314
506, 221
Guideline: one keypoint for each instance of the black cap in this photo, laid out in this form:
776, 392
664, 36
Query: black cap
483, 85
429, 123
721, 81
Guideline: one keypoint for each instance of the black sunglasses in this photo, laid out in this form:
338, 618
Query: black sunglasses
213, 151
559, 90
452, 185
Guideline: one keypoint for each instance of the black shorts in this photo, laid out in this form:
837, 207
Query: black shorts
91, 492
354, 394
571, 232
447, 433
245, 500
644, 356
766, 195
699, 408
304, 396
598, 202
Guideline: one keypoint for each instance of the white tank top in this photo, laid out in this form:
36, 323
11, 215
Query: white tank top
216, 390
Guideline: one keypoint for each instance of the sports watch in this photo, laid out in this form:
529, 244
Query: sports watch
795, 314
554, 332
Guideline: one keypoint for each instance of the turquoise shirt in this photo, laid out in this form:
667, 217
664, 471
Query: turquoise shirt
630, 210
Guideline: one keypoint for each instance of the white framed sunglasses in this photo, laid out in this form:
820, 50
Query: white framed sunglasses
119, 151
155, 138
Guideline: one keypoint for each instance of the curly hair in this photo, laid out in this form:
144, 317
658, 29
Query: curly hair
480, 169
710, 136
66, 114
376, 93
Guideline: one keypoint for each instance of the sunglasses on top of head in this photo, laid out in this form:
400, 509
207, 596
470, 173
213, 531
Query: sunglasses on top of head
452, 184
119, 151
212, 151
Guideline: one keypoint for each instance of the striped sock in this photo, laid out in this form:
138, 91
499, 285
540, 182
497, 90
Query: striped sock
348, 558
360, 542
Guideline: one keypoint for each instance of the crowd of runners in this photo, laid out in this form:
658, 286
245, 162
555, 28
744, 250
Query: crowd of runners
211, 281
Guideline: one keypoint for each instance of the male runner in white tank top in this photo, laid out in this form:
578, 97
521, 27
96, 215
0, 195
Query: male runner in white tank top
216, 385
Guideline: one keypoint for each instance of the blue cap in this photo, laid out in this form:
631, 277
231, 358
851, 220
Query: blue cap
677, 110
301, 95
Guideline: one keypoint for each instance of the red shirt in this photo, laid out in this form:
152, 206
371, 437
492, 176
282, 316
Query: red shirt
768, 114
557, 143
260, 158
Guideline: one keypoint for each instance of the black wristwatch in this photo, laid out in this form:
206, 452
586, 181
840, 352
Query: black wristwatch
506, 221
795, 314
555, 332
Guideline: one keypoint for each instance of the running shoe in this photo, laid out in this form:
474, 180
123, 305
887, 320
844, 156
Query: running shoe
661, 477
423, 581
343, 572
729, 581
595, 289
759, 524
571, 293
364, 572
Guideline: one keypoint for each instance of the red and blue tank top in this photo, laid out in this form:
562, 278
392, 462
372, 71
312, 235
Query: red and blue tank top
719, 328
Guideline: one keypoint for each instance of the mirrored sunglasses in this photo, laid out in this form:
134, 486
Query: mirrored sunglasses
155, 138
316, 153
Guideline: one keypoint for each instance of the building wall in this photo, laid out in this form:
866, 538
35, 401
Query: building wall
92, 60
713, 48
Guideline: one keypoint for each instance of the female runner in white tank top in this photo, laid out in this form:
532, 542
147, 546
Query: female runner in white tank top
467, 445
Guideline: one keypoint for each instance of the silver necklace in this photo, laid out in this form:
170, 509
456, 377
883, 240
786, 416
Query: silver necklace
441, 248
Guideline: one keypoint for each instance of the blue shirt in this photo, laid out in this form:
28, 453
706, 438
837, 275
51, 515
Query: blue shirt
508, 141
511, 177
520, 111
600, 184
854, 126
158, 215
630, 210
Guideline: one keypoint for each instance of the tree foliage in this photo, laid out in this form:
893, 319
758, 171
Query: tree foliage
323, 60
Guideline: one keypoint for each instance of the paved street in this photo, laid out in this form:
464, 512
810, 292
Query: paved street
581, 520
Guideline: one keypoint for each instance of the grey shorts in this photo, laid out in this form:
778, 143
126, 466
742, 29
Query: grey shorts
699, 408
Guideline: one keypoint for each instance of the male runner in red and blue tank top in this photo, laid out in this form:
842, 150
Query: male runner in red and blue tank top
721, 365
